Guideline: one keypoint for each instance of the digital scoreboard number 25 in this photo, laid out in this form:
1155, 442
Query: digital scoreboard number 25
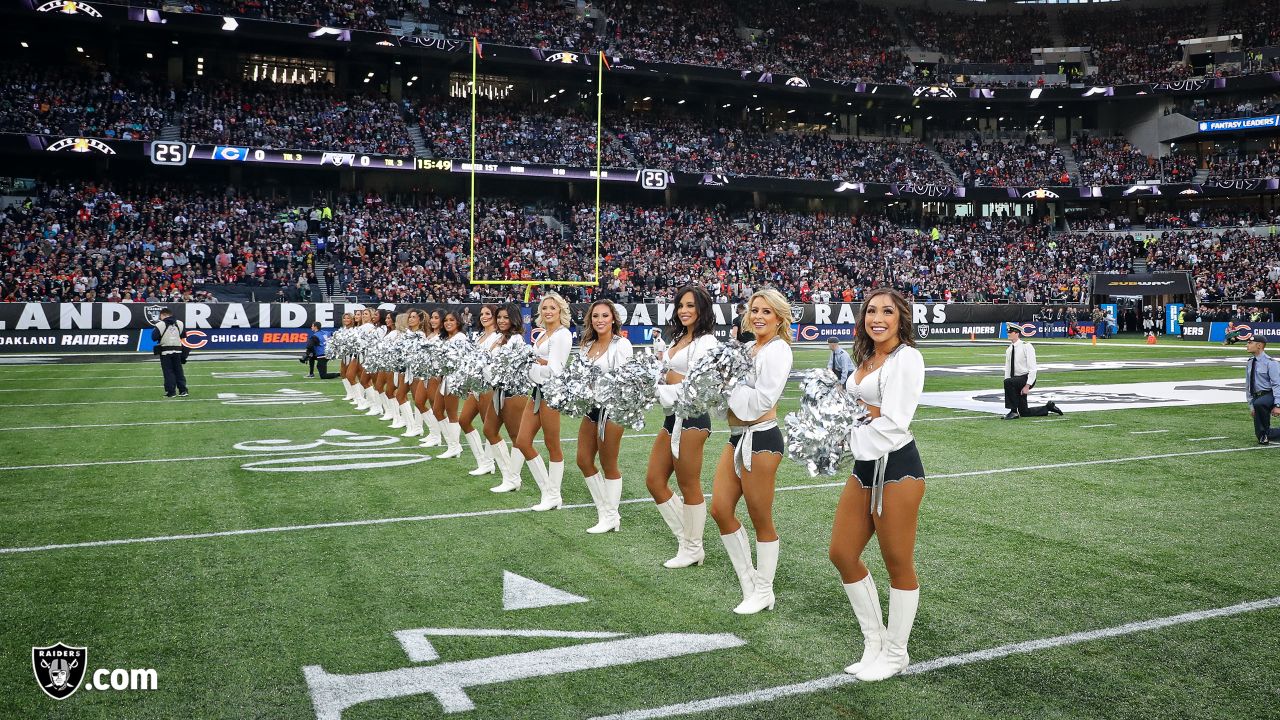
172, 153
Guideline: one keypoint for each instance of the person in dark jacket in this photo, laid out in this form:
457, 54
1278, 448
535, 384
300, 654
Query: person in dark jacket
168, 334
314, 355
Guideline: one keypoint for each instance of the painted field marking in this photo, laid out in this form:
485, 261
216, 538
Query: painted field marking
100, 463
514, 511
1218, 437
1098, 426
419, 649
1020, 648
180, 422
134, 402
156, 386
1147, 432
1044, 420
522, 593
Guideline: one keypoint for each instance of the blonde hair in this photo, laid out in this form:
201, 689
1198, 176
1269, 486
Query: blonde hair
402, 322
781, 307
565, 319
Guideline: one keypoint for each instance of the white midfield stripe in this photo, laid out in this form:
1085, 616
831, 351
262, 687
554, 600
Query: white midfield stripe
834, 681
1096, 426
510, 511
1146, 432
180, 422
132, 402
242, 456
1218, 437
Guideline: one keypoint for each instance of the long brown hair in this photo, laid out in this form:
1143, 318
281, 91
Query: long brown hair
589, 332
863, 346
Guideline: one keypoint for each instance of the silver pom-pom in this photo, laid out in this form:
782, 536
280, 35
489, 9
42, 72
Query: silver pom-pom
451, 354
627, 391
817, 435
468, 374
509, 368
422, 359
711, 377
572, 392
341, 345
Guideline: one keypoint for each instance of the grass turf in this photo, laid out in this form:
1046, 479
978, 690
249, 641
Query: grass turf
228, 622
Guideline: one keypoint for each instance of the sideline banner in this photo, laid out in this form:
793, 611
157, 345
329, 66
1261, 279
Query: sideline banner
1217, 331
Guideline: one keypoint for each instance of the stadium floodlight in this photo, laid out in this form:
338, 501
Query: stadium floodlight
601, 62
24, 44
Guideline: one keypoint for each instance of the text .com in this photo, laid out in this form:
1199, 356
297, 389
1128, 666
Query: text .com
121, 679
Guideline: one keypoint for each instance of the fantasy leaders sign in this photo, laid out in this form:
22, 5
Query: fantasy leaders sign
1265, 122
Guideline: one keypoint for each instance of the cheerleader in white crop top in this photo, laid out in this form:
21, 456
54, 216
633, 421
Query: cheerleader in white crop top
392, 377
506, 410
883, 495
445, 405
604, 347
373, 330
552, 351
678, 447
415, 323
429, 389
475, 404
748, 466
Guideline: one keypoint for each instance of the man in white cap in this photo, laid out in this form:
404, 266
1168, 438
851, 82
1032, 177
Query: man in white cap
1020, 377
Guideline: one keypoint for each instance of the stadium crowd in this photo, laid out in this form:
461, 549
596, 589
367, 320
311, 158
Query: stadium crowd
354, 14
81, 102
998, 163
1243, 166
98, 242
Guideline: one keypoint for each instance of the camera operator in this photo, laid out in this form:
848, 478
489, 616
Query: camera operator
315, 353
168, 334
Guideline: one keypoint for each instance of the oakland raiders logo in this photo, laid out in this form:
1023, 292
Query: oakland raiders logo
922, 331
797, 312
59, 669
152, 313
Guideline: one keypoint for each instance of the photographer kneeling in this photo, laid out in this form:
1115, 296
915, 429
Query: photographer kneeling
168, 335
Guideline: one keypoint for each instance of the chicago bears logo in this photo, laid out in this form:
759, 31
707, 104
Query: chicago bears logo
59, 669
196, 339
1029, 329
1244, 332
808, 332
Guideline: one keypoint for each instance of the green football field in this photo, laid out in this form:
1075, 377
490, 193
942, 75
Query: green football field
1117, 563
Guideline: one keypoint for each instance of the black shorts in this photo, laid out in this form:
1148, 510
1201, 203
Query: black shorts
903, 463
763, 441
701, 422
594, 415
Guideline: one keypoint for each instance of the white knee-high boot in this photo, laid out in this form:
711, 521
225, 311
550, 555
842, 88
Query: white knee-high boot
514, 461
766, 565
485, 464
606, 513
672, 512
373, 400
397, 415
865, 600
432, 438
538, 469
346, 389
550, 487
361, 397
693, 521
893, 657
738, 547
611, 493
452, 432
412, 423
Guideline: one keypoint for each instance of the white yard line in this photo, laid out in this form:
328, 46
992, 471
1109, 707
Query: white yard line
1218, 437
140, 402
1044, 420
509, 511
178, 422
840, 679
158, 386
1098, 426
1147, 432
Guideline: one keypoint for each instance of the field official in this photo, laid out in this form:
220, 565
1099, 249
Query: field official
1020, 377
840, 363
168, 334
1262, 378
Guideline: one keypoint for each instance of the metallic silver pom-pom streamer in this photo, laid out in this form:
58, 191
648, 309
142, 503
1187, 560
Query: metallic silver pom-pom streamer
711, 377
364, 342
572, 392
627, 392
340, 345
468, 374
509, 369
421, 359
817, 435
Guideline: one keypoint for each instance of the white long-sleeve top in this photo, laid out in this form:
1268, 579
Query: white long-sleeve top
489, 342
681, 362
618, 352
772, 365
458, 337
900, 382
1024, 361
555, 350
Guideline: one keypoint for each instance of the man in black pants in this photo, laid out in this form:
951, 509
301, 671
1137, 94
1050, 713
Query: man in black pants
1020, 377
315, 353
168, 335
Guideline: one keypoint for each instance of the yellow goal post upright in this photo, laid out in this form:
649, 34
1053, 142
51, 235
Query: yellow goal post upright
476, 56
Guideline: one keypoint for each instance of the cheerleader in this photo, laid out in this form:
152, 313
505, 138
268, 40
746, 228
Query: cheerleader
604, 347
481, 405
445, 405
348, 322
376, 328
386, 378
507, 409
358, 322
552, 351
412, 423
424, 396
883, 495
748, 466
678, 447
